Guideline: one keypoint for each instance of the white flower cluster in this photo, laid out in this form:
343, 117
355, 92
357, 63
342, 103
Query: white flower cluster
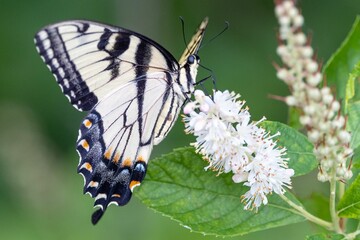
320, 110
227, 138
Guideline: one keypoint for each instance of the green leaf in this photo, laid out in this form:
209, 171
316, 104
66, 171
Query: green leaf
293, 118
341, 63
177, 186
354, 123
325, 236
349, 205
356, 160
350, 85
299, 149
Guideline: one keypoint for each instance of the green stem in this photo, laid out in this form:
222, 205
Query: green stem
301, 211
334, 217
333, 214
352, 235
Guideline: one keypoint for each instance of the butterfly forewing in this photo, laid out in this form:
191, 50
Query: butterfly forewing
195, 42
134, 90
85, 57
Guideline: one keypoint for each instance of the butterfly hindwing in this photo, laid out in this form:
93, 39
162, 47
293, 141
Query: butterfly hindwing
116, 138
133, 89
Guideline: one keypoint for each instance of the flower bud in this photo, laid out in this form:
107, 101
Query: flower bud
282, 50
327, 99
305, 120
326, 164
288, 5
344, 136
314, 79
340, 171
325, 91
314, 94
338, 122
279, 10
293, 12
282, 74
322, 177
298, 21
348, 152
335, 106
307, 51
199, 94
204, 107
314, 135
312, 66
300, 38
348, 174
331, 141
284, 20
189, 107
290, 100
309, 109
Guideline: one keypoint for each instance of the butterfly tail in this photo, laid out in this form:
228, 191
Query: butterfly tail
118, 193
96, 216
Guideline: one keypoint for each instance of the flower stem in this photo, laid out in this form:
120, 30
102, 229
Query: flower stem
352, 235
301, 211
334, 216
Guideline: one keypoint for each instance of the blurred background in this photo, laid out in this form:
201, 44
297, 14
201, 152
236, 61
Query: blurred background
40, 192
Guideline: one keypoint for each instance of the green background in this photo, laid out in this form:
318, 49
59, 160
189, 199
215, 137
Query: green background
40, 192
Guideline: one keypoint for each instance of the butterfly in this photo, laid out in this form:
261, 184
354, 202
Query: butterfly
132, 89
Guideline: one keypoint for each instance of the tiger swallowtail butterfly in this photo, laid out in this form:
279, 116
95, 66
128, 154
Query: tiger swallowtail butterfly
132, 89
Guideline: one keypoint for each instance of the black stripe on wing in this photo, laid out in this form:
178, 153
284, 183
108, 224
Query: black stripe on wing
143, 56
54, 53
122, 42
85, 56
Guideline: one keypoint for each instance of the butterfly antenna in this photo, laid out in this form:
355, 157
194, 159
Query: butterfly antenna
212, 76
201, 83
226, 27
183, 31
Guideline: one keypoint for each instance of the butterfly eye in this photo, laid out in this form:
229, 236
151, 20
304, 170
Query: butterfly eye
191, 59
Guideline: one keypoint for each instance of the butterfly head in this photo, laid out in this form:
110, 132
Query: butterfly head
189, 61
192, 64
188, 72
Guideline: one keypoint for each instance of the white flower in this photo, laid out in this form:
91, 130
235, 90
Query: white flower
230, 142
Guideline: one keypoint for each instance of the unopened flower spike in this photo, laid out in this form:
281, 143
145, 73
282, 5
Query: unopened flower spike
231, 142
321, 114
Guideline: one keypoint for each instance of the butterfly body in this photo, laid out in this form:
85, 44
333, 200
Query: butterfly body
133, 89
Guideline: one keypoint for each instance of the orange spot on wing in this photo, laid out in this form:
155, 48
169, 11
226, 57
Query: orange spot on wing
127, 162
116, 158
116, 195
93, 184
87, 123
88, 166
140, 159
133, 184
85, 145
108, 154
